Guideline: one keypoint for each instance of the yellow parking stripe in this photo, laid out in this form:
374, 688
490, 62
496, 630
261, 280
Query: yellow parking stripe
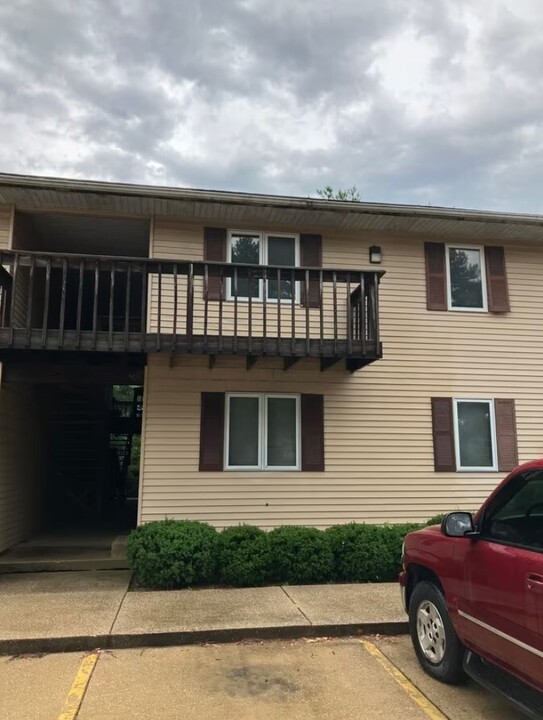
414, 693
79, 687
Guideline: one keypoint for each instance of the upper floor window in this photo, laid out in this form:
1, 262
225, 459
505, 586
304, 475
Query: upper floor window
255, 248
466, 279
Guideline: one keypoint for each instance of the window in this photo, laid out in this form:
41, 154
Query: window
270, 432
262, 249
475, 435
516, 514
466, 277
466, 280
245, 249
262, 432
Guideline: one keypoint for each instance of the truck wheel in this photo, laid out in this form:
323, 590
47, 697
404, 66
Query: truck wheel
434, 638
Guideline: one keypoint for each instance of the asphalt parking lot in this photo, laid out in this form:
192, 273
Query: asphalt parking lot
335, 678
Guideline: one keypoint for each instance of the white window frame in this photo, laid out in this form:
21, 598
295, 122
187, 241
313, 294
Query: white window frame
465, 246
263, 434
493, 439
263, 260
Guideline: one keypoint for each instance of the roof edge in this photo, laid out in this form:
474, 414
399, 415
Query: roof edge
264, 200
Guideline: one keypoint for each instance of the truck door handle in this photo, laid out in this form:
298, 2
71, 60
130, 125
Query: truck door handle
534, 582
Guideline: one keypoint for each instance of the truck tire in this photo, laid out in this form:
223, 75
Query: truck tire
438, 648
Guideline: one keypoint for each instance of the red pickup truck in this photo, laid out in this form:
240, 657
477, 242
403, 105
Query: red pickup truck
473, 589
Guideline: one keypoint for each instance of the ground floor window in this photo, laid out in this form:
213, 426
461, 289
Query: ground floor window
475, 434
262, 432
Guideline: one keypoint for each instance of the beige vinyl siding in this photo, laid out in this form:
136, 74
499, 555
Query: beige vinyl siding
378, 434
19, 464
184, 241
174, 240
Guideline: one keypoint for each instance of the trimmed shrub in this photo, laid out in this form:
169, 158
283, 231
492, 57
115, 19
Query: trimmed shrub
173, 553
367, 553
435, 519
393, 537
300, 555
358, 551
244, 556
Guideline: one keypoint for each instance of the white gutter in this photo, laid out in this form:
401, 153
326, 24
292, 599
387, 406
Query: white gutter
260, 200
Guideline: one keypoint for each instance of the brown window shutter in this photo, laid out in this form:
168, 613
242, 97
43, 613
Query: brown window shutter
212, 431
311, 256
215, 250
506, 434
436, 279
496, 279
443, 432
313, 433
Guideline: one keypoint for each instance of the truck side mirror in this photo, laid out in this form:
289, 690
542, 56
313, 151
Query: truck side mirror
458, 524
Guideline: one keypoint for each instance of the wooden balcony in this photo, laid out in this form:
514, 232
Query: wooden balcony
133, 305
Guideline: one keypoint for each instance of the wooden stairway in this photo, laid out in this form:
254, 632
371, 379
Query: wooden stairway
78, 451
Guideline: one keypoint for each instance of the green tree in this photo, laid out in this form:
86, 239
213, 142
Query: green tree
245, 250
124, 392
348, 195
466, 286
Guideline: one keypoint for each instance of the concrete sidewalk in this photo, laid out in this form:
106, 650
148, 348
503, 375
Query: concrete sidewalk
72, 611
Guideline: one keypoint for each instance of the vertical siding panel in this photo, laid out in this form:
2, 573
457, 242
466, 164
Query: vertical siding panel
6, 226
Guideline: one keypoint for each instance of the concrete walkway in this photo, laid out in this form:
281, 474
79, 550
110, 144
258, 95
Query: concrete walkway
72, 611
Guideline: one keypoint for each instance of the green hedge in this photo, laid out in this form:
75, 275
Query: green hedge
172, 553
300, 555
180, 553
244, 556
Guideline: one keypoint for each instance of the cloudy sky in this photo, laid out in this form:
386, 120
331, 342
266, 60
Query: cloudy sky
418, 101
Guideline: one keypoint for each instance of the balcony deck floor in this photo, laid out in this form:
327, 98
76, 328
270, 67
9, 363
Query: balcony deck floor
135, 342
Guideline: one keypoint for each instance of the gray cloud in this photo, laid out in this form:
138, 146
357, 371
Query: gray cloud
424, 101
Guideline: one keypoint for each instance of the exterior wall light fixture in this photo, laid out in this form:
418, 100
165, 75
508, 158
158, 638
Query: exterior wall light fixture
375, 254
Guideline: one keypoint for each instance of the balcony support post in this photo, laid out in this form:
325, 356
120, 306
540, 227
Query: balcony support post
288, 362
327, 362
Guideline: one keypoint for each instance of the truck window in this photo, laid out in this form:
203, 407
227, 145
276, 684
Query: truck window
516, 514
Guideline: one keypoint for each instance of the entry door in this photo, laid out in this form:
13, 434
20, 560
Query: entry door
502, 611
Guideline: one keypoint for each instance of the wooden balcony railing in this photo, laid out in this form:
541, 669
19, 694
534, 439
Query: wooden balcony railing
91, 303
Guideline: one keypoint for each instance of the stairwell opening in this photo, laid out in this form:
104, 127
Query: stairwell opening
85, 439
125, 443
93, 442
